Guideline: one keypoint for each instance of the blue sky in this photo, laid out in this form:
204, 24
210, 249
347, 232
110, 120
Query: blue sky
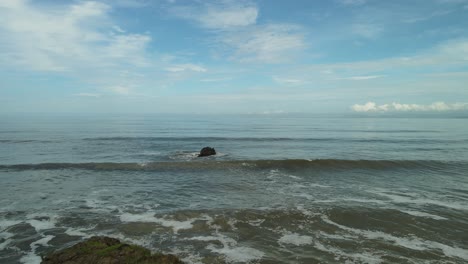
174, 56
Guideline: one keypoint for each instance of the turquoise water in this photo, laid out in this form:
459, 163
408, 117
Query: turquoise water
282, 189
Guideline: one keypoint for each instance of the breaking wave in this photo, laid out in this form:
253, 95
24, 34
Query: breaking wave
288, 164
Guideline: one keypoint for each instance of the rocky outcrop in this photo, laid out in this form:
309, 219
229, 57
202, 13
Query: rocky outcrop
106, 250
207, 151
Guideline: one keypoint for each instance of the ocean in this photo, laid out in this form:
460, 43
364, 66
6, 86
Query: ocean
282, 188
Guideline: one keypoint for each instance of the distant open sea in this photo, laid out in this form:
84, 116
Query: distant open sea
282, 189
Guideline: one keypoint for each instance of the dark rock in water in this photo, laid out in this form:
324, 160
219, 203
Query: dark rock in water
207, 151
107, 250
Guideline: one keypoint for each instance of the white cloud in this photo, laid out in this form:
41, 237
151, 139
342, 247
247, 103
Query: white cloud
272, 43
362, 78
234, 17
452, 53
398, 107
121, 90
224, 15
122, 46
234, 24
186, 67
65, 38
287, 81
11, 3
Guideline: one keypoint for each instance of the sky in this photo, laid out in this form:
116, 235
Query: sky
226, 56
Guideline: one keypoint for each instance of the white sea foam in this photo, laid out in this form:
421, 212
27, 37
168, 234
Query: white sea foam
4, 244
149, 217
40, 225
325, 201
31, 257
4, 224
422, 214
176, 225
93, 203
319, 185
232, 223
205, 238
407, 242
365, 201
230, 250
272, 174
294, 177
257, 222
364, 257
5, 235
79, 232
145, 241
420, 201
304, 195
451, 251
184, 156
338, 237
295, 239
187, 256
143, 217
151, 153
100, 205
238, 254
304, 211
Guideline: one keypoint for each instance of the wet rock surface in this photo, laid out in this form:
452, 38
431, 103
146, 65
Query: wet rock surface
207, 151
107, 250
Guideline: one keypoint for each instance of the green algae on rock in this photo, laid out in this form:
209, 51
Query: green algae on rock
107, 250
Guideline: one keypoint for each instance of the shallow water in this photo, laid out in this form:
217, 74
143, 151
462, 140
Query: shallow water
282, 189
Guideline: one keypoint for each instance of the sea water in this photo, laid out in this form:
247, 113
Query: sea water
281, 189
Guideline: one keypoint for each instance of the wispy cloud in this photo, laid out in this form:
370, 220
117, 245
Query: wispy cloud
65, 38
362, 78
83, 41
272, 43
120, 90
186, 67
287, 81
234, 24
398, 107
222, 16
451, 53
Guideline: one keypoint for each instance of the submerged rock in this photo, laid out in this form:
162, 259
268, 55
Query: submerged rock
207, 151
107, 250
